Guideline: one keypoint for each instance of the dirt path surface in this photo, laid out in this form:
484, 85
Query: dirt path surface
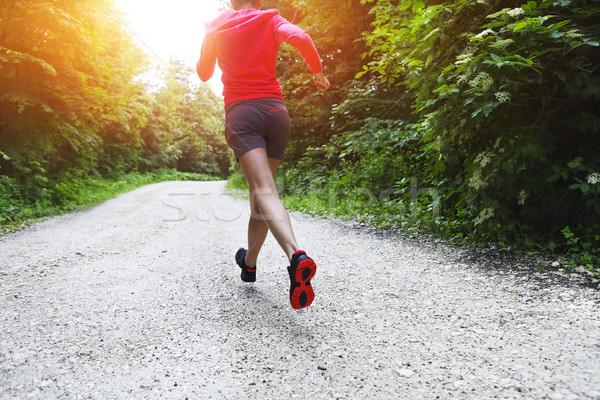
140, 298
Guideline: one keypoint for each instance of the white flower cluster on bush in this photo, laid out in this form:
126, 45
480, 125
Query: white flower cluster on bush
522, 197
477, 180
503, 97
515, 12
484, 215
485, 33
483, 159
593, 178
483, 81
464, 59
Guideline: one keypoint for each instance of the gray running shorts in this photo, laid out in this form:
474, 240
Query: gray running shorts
250, 124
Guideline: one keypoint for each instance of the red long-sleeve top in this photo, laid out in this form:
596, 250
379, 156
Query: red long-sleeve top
245, 44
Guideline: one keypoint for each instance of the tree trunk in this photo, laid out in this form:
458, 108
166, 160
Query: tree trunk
6, 21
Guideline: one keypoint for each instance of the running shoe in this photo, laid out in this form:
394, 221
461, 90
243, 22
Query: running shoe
301, 271
248, 275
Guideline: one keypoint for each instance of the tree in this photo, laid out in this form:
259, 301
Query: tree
72, 106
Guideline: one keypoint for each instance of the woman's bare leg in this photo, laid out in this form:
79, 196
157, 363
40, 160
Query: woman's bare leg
257, 227
258, 170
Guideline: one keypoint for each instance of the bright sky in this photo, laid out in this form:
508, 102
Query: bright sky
172, 28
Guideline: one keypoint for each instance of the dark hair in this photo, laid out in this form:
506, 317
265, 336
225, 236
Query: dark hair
237, 4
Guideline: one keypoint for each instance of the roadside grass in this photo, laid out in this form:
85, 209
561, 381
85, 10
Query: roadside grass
237, 185
418, 220
18, 210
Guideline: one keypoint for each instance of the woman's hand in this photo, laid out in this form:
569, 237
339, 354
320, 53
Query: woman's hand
321, 82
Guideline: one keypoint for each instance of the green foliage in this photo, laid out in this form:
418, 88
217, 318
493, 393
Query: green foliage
10, 197
493, 106
583, 252
237, 181
184, 128
497, 98
340, 46
73, 109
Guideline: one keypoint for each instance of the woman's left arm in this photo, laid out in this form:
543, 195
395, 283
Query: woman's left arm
287, 32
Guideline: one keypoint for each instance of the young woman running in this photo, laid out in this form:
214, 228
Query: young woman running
245, 42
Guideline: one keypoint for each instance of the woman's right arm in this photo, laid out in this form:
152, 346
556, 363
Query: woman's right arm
208, 59
321, 82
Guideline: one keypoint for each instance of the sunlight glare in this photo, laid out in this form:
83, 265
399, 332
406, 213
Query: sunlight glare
173, 28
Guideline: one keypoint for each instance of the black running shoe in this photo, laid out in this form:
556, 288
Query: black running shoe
301, 271
248, 275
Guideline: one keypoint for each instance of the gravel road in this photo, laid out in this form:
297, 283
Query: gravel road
140, 297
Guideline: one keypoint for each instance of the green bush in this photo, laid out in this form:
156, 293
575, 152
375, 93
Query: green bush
504, 131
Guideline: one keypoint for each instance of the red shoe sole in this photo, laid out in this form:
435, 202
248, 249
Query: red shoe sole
302, 296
